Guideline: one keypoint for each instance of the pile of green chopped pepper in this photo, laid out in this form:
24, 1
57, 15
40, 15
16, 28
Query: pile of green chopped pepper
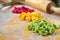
42, 27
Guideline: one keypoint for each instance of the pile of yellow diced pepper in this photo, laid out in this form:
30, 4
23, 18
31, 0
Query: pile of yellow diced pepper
30, 16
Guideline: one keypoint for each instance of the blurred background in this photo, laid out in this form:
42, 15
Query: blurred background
57, 2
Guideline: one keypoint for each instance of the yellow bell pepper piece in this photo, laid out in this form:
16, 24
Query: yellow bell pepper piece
22, 16
28, 19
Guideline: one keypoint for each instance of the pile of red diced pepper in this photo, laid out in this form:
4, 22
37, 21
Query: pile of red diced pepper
19, 10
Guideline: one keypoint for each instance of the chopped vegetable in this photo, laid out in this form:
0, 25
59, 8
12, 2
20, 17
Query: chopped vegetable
42, 27
58, 27
19, 10
30, 16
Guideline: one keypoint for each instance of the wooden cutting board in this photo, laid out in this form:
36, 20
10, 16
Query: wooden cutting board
12, 28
